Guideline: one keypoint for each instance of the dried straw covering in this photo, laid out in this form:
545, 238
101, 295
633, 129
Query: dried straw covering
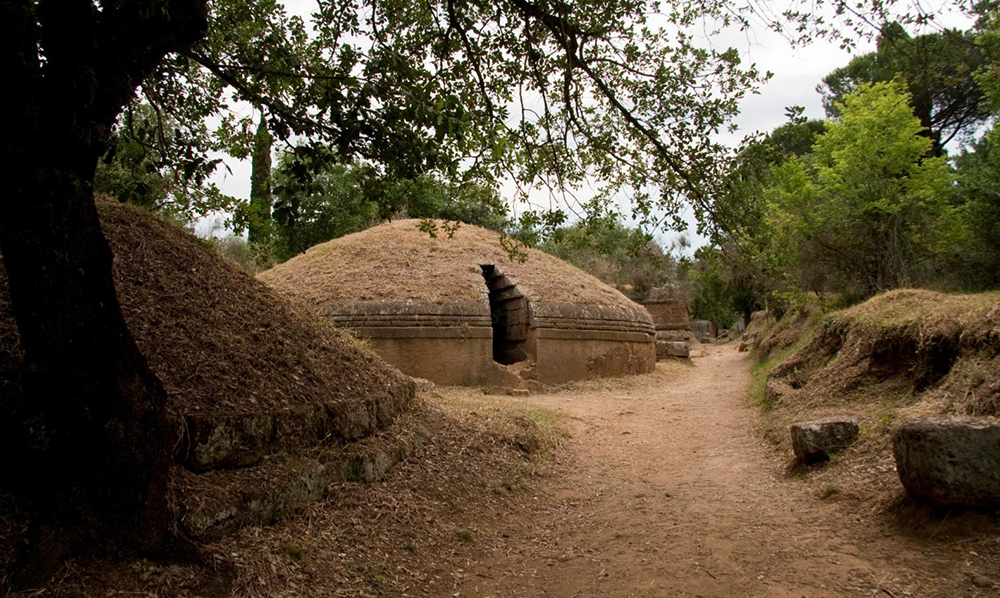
397, 262
220, 341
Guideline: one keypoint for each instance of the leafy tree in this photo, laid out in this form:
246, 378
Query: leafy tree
626, 258
142, 167
711, 296
470, 203
312, 208
259, 209
938, 70
867, 209
978, 178
988, 38
411, 87
332, 205
978, 174
755, 255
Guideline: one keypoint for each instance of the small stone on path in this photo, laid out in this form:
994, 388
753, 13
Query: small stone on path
816, 440
672, 349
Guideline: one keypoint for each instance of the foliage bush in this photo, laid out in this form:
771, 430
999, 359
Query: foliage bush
624, 257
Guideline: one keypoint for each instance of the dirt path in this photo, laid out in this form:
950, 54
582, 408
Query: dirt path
667, 490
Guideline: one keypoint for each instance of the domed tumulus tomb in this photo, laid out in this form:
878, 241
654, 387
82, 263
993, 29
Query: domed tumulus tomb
459, 310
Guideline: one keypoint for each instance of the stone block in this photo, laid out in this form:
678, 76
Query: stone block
814, 441
672, 349
703, 330
950, 461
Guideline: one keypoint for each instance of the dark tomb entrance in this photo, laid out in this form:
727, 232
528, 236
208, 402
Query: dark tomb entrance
509, 315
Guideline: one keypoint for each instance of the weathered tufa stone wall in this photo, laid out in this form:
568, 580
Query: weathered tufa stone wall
574, 342
447, 343
453, 343
670, 316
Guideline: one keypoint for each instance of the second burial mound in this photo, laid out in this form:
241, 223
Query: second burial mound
459, 310
264, 398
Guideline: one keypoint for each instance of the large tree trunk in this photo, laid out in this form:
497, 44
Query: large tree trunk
93, 428
92, 436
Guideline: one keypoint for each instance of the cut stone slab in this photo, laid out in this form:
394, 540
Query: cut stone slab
815, 440
950, 461
672, 349
685, 336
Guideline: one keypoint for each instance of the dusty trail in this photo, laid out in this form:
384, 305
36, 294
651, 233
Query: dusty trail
667, 490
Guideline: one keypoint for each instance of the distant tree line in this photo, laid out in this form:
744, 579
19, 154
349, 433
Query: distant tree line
871, 199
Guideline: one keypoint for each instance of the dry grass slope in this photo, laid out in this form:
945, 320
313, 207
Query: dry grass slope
400, 537
229, 351
898, 356
220, 341
397, 262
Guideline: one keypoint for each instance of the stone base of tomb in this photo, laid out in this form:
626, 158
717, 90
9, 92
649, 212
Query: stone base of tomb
453, 344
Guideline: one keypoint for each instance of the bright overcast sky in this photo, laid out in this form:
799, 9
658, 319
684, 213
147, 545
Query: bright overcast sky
797, 72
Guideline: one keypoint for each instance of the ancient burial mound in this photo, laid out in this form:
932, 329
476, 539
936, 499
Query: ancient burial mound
250, 378
457, 310
901, 356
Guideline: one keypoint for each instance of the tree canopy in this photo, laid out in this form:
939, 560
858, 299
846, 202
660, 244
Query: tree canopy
874, 205
342, 199
624, 257
543, 94
938, 70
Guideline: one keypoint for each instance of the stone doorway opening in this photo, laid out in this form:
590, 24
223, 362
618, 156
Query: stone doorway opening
509, 317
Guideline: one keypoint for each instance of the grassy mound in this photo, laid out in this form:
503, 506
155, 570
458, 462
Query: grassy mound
900, 355
224, 345
412, 266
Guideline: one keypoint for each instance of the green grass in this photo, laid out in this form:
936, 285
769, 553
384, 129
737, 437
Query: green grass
976, 376
760, 371
905, 307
